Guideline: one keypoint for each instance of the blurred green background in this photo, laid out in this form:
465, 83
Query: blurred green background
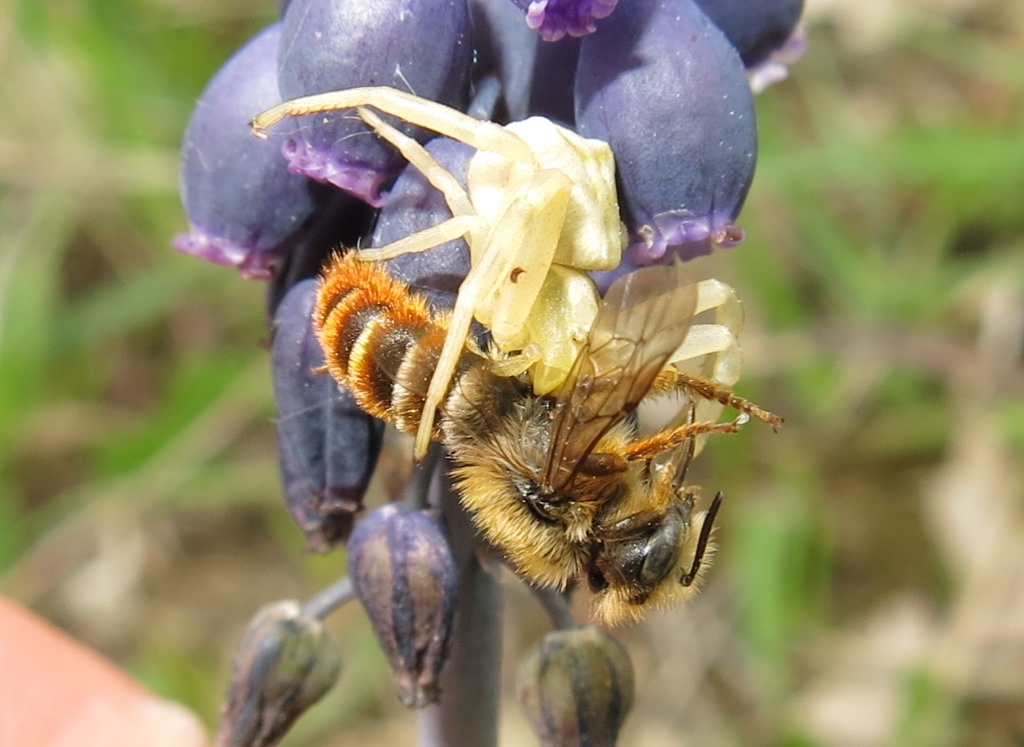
869, 588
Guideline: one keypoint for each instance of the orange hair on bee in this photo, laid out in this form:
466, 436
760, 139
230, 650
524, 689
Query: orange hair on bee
358, 307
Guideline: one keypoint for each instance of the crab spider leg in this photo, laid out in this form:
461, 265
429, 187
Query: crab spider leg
454, 342
480, 134
420, 241
465, 221
438, 176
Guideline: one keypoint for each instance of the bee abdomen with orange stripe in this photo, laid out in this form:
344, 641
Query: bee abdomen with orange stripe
381, 341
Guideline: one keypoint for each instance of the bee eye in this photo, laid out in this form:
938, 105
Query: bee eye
661, 552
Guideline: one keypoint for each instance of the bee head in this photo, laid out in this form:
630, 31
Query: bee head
639, 568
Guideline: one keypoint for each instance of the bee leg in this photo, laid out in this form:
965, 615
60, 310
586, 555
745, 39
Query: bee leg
650, 447
711, 390
672, 380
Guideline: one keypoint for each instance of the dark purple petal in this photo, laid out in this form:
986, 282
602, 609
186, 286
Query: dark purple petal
554, 77
242, 204
421, 46
327, 446
553, 19
405, 575
755, 27
667, 91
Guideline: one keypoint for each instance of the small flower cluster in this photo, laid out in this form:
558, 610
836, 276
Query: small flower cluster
668, 84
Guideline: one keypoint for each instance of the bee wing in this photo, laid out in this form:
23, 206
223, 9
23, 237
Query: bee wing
642, 319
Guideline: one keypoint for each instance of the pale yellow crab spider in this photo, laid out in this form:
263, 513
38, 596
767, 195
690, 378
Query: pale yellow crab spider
539, 211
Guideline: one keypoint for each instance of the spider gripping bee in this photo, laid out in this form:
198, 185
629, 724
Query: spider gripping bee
559, 483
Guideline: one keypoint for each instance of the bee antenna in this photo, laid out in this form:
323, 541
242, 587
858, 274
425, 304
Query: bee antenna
702, 540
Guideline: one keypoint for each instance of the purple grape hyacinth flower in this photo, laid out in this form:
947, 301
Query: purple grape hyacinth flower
327, 445
285, 663
242, 204
554, 19
764, 32
667, 91
328, 45
406, 577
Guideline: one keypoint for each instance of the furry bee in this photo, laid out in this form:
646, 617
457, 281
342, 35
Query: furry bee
560, 484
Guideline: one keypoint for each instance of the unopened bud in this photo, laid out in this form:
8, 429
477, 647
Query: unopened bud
405, 575
576, 687
286, 662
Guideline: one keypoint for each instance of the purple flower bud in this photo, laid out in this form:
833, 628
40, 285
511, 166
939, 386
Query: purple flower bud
421, 46
755, 27
413, 204
285, 663
405, 575
667, 91
576, 688
241, 203
553, 19
327, 446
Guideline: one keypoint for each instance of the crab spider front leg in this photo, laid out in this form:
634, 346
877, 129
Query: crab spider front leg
430, 115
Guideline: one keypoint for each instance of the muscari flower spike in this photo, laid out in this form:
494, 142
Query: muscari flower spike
329, 45
685, 165
327, 445
406, 577
243, 206
285, 663
576, 688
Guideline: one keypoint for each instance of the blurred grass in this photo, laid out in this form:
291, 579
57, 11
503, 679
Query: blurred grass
868, 586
